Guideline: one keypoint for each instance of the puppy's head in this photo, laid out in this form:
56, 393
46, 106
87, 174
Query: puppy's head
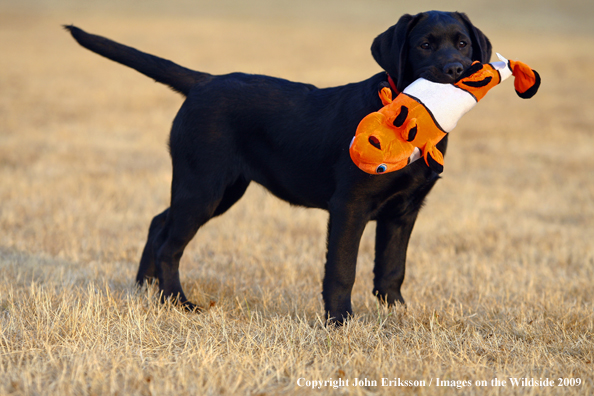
435, 45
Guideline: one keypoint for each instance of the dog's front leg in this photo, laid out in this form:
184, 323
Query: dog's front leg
345, 227
391, 243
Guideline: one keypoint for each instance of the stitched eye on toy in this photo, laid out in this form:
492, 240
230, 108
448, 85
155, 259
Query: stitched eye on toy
381, 169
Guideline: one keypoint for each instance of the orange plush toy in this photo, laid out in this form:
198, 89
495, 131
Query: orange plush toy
410, 127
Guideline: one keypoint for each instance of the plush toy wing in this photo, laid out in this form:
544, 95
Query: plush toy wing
410, 127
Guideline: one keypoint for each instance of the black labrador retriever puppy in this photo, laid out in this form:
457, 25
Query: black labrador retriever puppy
293, 139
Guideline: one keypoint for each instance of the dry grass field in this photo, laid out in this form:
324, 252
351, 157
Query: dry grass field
501, 263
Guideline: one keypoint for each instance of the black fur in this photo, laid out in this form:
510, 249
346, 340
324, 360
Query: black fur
293, 139
161, 70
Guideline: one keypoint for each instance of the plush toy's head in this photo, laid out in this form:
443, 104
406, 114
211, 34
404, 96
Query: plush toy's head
378, 151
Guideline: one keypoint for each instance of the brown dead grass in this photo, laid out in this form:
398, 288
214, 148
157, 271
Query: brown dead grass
499, 277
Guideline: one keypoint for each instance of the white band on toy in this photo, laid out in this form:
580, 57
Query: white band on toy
445, 112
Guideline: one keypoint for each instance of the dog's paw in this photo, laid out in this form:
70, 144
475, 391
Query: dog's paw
191, 307
338, 319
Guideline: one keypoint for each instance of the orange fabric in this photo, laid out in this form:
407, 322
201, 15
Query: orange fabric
525, 76
487, 73
392, 154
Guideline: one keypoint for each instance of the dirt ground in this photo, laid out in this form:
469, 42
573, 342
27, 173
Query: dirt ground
500, 265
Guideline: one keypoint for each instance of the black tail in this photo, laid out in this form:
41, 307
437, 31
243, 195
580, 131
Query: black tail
161, 70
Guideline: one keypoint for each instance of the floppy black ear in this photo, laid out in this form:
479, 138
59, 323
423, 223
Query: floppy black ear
390, 49
481, 46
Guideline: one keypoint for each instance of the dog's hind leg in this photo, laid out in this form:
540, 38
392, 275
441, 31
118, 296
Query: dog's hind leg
189, 210
146, 269
232, 194
194, 201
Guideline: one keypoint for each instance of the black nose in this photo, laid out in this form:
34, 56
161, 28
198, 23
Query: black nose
453, 70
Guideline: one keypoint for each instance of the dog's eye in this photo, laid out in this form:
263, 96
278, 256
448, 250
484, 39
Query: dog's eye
426, 46
462, 44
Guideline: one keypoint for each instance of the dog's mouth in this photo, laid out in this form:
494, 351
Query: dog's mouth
438, 75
